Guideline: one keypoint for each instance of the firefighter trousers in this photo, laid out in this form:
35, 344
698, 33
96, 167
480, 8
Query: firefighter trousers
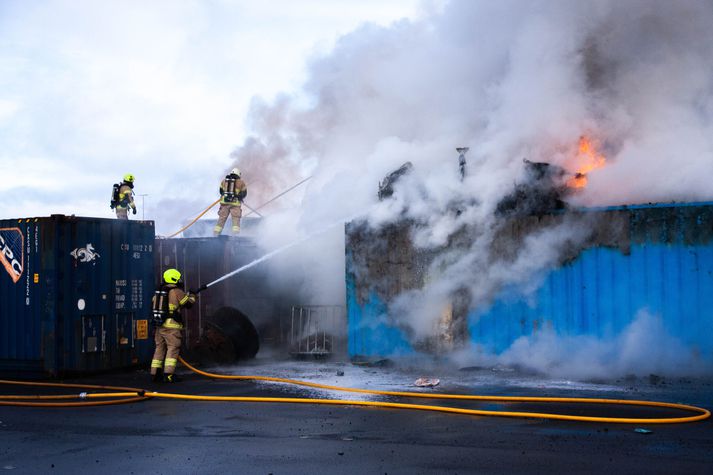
225, 210
168, 346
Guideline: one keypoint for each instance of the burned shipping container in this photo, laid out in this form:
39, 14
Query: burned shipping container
75, 294
233, 316
657, 258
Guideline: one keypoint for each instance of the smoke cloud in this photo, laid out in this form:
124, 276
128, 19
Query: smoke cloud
643, 348
511, 80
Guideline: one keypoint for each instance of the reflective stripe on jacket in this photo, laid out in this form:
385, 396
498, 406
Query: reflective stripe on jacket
171, 323
177, 299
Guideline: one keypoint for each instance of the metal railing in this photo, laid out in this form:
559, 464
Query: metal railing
313, 328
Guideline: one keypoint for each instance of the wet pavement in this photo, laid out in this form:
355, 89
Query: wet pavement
177, 437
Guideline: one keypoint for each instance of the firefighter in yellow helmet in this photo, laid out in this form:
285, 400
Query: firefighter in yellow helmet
168, 301
233, 191
122, 197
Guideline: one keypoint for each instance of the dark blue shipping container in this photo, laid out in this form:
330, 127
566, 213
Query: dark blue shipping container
653, 258
75, 294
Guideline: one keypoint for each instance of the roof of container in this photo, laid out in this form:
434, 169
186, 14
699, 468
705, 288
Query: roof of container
672, 204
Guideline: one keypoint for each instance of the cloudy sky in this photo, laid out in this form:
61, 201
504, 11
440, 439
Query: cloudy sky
177, 92
92, 90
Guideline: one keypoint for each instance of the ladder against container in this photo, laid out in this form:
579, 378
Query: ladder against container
312, 330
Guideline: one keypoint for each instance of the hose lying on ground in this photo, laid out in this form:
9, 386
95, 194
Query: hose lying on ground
133, 395
129, 395
703, 413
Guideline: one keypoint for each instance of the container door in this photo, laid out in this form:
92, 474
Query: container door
85, 259
124, 332
132, 282
21, 291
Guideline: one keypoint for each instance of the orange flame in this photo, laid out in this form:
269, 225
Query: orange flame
587, 159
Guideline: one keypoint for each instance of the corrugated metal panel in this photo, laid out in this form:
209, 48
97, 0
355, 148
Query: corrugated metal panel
79, 288
663, 263
372, 336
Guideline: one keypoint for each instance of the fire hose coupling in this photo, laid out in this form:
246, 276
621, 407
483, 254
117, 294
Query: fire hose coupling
82, 395
141, 393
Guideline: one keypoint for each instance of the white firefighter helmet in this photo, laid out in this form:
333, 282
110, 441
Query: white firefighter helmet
235, 171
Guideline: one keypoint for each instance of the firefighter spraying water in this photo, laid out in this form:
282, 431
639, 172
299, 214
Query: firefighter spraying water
168, 301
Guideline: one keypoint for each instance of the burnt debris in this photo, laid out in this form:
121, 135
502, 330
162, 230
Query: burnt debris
386, 186
542, 191
461, 160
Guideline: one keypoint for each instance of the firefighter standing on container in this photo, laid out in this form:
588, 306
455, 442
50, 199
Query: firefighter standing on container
122, 197
167, 304
233, 191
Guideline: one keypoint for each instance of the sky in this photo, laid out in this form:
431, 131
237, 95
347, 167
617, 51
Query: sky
90, 91
177, 92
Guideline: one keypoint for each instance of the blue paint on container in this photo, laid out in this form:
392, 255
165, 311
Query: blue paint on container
374, 337
664, 266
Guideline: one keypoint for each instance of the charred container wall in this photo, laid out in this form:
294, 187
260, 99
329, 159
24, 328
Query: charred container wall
657, 258
75, 294
203, 260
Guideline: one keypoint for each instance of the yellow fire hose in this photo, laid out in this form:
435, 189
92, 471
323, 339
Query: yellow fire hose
193, 222
126, 395
703, 413
130, 395
252, 210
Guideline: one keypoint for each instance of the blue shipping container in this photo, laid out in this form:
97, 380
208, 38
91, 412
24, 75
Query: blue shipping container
75, 294
657, 258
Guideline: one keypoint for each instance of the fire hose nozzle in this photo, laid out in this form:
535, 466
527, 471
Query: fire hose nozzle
199, 289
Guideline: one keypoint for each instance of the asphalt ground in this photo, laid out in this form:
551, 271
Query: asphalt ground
185, 437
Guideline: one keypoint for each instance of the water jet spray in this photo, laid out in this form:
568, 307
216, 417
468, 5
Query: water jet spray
268, 256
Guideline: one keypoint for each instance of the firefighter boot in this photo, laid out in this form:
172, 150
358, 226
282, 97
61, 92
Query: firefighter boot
158, 377
171, 378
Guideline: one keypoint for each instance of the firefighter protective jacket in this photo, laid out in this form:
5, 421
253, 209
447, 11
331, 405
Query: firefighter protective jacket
177, 299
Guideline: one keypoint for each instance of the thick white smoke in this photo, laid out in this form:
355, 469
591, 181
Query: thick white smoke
510, 80
644, 347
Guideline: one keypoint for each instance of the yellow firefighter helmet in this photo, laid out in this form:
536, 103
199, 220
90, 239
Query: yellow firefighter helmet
171, 276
